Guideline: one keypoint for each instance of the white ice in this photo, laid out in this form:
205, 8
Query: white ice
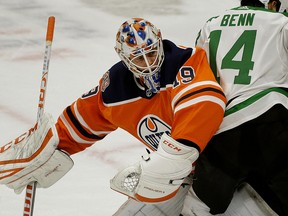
82, 50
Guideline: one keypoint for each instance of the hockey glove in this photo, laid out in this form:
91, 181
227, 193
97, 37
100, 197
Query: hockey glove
158, 176
33, 157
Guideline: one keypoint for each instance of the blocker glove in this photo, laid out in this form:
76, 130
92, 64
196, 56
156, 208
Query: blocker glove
34, 157
158, 176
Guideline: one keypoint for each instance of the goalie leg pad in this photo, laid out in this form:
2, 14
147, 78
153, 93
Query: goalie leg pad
246, 201
172, 207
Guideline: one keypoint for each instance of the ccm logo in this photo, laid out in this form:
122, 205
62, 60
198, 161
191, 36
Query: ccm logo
170, 145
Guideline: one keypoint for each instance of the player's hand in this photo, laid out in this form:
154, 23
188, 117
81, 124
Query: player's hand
158, 176
33, 157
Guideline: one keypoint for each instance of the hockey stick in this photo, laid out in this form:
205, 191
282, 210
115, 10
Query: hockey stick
31, 188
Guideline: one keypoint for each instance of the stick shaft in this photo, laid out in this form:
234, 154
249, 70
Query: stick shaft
31, 188
47, 54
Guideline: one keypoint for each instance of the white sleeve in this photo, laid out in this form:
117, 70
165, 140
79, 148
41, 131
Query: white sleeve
285, 37
203, 39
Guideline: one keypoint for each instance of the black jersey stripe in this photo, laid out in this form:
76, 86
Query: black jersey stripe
199, 91
79, 126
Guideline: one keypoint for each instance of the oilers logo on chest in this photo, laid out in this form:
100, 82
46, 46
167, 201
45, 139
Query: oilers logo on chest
150, 130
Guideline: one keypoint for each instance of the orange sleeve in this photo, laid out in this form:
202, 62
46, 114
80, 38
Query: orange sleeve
84, 122
197, 100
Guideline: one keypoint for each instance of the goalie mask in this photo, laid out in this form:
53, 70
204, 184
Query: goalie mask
139, 46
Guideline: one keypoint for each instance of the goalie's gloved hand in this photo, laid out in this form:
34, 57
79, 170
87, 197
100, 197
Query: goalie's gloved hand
158, 176
34, 157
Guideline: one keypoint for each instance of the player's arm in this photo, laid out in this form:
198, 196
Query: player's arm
85, 121
285, 37
198, 102
203, 39
43, 153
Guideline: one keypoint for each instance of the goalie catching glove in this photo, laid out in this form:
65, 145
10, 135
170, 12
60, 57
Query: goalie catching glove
159, 176
34, 157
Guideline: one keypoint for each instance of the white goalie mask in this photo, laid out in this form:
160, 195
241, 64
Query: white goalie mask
139, 46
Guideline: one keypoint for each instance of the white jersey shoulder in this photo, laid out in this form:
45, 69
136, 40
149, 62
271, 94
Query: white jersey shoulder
248, 52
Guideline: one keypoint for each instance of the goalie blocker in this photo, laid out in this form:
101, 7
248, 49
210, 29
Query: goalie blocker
34, 157
158, 176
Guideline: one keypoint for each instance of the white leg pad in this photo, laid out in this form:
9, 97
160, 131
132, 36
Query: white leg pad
171, 207
246, 202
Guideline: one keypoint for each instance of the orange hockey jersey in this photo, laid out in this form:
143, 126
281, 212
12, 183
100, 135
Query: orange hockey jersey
190, 105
